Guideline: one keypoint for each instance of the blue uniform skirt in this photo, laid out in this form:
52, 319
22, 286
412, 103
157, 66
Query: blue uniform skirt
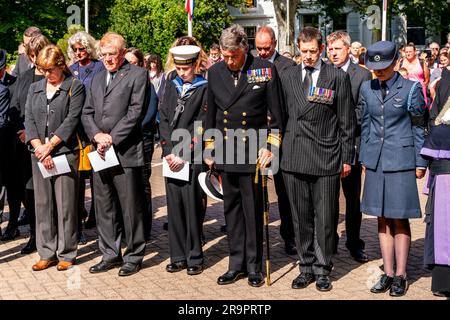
391, 194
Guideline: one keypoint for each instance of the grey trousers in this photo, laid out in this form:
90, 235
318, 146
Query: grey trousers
120, 205
56, 212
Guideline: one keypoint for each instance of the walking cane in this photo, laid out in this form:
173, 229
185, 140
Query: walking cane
266, 219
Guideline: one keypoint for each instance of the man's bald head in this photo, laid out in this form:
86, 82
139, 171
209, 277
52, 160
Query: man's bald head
265, 42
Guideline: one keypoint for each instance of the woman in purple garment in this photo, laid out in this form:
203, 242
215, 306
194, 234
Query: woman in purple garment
437, 150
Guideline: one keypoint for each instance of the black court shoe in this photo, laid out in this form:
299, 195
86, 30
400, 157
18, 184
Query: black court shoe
399, 286
383, 285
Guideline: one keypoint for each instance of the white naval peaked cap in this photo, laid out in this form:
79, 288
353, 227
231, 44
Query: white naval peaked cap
184, 54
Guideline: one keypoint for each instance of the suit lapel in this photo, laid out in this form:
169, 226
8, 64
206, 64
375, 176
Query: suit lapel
322, 82
242, 83
226, 78
121, 73
398, 84
375, 86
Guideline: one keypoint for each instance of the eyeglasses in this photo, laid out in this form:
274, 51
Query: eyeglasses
45, 70
82, 49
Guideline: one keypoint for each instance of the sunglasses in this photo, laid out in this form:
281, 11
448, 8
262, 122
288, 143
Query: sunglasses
79, 49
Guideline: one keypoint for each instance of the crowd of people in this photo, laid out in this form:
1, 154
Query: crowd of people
331, 114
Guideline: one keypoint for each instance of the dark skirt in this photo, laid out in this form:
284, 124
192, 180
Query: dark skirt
392, 195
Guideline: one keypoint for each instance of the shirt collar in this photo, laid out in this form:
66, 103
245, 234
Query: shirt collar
272, 58
345, 66
316, 66
391, 81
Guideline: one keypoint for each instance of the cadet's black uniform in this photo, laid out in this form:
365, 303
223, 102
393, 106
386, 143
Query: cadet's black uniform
184, 198
243, 107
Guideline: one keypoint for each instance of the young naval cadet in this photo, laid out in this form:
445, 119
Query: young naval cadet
318, 148
241, 91
184, 107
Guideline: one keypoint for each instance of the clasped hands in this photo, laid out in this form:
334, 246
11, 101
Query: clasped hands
42, 152
175, 163
104, 141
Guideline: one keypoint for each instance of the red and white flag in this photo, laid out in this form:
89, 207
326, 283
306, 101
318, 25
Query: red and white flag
189, 7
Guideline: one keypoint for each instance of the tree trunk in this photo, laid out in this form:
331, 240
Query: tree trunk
280, 13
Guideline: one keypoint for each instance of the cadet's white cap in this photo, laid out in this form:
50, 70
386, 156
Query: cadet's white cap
184, 54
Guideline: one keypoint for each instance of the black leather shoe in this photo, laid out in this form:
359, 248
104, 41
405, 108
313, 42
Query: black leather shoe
223, 228
399, 286
359, 255
442, 294
10, 234
303, 280
30, 247
129, 269
289, 248
231, 276
104, 266
193, 270
176, 266
255, 279
323, 283
383, 285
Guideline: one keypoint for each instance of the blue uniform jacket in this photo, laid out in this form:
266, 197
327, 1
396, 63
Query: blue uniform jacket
387, 131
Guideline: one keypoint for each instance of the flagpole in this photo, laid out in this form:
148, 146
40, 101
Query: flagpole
384, 21
86, 15
189, 25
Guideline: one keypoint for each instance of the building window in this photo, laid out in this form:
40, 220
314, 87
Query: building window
251, 3
340, 23
251, 32
310, 20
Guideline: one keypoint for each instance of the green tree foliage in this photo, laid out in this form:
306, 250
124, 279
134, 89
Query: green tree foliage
153, 25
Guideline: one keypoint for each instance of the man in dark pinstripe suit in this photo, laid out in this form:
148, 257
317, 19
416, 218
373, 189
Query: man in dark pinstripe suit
318, 147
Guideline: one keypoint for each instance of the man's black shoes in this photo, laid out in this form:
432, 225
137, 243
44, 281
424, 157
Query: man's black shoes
323, 283
194, 270
176, 266
30, 247
359, 255
104, 266
129, 269
255, 279
289, 248
303, 280
231, 276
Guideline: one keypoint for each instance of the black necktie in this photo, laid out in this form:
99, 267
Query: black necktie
111, 77
383, 89
307, 81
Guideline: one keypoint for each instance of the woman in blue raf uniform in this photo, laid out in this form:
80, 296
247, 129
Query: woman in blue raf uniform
391, 139
184, 103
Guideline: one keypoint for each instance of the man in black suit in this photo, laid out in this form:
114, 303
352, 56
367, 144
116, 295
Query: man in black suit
318, 148
241, 91
339, 54
23, 63
265, 47
112, 116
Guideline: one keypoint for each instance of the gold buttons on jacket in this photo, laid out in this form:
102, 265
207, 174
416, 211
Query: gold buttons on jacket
225, 129
225, 112
244, 114
226, 137
225, 121
244, 139
244, 123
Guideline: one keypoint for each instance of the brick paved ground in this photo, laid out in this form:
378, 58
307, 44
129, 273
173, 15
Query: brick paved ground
351, 280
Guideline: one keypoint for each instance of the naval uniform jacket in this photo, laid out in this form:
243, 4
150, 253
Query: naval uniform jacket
319, 137
241, 108
194, 110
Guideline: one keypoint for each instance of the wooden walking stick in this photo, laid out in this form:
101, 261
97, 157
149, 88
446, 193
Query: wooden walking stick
265, 197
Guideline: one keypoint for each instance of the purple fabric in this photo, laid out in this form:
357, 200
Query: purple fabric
442, 220
436, 154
